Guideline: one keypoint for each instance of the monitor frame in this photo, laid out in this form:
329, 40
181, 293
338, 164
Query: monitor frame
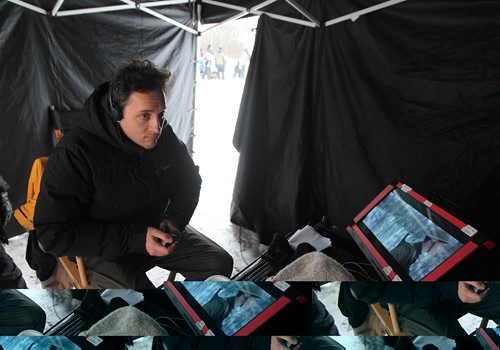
382, 260
202, 324
488, 338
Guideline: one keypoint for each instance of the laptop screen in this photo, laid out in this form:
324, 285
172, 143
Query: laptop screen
413, 239
231, 305
229, 308
406, 237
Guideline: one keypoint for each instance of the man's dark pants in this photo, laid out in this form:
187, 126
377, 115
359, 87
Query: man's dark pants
196, 257
19, 313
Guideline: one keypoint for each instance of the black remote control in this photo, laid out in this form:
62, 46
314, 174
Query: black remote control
288, 345
175, 237
479, 291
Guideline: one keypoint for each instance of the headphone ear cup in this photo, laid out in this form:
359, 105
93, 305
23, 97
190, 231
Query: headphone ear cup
115, 114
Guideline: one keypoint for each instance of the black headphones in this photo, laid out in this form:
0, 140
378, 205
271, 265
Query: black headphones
114, 113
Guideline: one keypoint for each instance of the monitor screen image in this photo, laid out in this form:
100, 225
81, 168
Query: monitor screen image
230, 305
414, 240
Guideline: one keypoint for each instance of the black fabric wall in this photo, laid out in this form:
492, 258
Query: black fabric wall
46, 60
330, 116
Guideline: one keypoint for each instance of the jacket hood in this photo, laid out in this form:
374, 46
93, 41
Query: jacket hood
97, 121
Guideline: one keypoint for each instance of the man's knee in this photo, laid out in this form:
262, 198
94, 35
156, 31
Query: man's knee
223, 263
38, 318
29, 315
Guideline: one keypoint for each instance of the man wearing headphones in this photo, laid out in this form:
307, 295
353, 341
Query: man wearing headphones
114, 177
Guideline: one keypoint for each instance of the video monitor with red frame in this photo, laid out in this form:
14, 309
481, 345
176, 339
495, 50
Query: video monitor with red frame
239, 308
489, 338
408, 238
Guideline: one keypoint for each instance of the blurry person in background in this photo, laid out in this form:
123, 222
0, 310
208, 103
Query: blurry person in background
220, 63
10, 275
17, 311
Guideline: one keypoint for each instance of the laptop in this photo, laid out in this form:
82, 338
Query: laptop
407, 238
242, 308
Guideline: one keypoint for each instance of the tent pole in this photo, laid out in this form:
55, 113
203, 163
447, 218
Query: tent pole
303, 12
94, 10
255, 10
261, 5
164, 3
287, 19
29, 6
57, 6
228, 6
162, 17
101, 9
197, 11
239, 15
355, 15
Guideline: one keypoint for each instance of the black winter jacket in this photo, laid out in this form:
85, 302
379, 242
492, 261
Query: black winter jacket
100, 191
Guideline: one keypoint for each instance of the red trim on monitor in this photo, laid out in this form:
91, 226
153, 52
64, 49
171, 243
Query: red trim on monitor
486, 337
441, 212
449, 263
380, 259
194, 316
489, 244
374, 202
302, 299
264, 316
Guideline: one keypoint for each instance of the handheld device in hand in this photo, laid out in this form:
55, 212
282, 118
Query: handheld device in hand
175, 237
288, 345
480, 291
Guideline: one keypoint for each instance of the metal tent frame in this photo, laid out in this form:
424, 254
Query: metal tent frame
146, 7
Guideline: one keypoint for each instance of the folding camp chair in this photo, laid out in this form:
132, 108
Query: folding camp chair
62, 121
388, 318
484, 323
25, 214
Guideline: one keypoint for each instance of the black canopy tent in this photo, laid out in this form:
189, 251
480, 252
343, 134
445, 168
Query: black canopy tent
331, 115
338, 101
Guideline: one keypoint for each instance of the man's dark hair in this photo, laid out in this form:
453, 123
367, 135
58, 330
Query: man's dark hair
140, 76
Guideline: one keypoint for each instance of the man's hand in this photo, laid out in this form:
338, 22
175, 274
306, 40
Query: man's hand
156, 240
283, 342
466, 291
